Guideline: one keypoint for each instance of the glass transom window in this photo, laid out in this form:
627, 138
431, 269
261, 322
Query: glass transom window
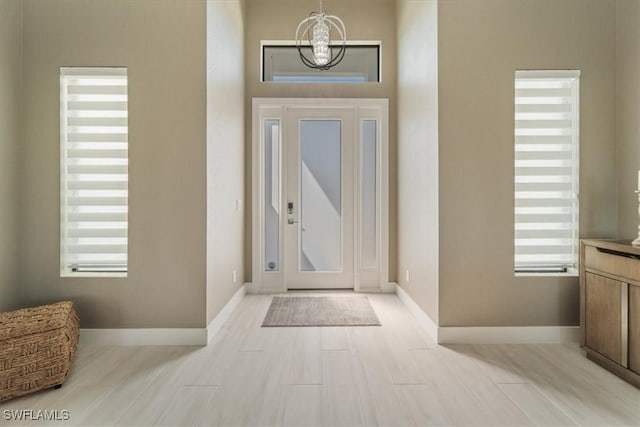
282, 64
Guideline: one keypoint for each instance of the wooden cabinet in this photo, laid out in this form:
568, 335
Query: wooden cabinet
610, 306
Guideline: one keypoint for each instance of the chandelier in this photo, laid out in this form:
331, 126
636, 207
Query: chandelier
315, 31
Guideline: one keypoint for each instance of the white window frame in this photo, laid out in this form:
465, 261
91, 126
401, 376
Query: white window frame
546, 112
74, 151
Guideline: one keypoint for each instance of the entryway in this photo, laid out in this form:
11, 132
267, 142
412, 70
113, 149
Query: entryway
320, 194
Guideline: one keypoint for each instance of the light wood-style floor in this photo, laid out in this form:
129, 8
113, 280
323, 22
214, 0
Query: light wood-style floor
389, 375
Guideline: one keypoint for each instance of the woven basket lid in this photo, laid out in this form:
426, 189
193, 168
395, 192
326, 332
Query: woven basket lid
34, 320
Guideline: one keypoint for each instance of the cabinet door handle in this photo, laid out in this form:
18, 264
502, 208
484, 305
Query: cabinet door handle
617, 253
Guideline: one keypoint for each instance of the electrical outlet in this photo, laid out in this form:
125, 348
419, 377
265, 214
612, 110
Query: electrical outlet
234, 276
407, 276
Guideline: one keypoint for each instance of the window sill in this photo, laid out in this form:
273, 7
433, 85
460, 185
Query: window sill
88, 274
572, 272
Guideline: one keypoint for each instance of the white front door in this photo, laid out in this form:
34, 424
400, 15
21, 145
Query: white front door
320, 198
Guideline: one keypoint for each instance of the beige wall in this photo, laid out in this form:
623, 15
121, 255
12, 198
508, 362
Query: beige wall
417, 23
225, 151
10, 105
481, 43
185, 231
364, 20
162, 42
628, 114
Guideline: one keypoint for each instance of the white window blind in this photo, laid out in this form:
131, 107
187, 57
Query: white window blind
546, 171
94, 170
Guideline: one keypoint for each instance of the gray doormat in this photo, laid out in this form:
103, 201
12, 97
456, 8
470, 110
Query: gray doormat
321, 311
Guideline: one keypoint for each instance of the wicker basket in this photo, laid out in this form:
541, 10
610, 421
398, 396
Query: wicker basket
37, 346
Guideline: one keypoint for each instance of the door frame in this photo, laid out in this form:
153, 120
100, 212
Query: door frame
366, 278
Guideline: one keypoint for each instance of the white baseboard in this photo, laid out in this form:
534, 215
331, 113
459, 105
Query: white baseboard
144, 336
224, 314
489, 334
162, 336
423, 318
508, 334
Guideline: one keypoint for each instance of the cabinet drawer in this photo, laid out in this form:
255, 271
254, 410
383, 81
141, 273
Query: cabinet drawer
612, 263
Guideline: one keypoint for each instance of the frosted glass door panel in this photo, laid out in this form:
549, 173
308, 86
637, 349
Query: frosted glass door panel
272, 195
320, 195
369, 191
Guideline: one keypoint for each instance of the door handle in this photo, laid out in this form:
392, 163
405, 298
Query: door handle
292, 221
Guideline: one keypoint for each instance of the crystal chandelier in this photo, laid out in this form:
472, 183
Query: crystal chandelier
315, 31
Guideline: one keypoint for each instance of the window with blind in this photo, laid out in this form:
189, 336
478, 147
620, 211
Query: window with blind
546, 171
94, 171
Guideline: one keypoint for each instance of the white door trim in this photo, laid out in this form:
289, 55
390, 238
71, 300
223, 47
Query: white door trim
276, 109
